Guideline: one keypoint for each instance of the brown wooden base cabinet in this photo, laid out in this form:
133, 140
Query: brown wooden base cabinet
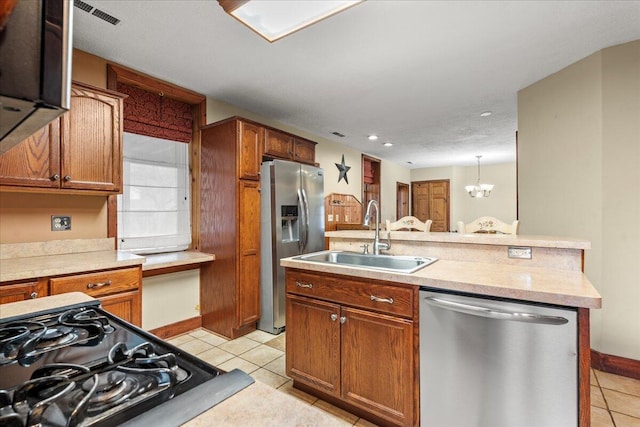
354, 341
119, 290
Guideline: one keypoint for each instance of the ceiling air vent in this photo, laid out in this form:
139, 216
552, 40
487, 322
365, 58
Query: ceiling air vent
337, 134
96, 12
82, 5
105, 17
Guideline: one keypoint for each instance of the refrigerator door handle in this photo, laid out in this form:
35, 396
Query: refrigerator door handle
495, 314
302, 223
305, 220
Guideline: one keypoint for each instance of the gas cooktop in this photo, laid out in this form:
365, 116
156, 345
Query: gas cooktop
81, 366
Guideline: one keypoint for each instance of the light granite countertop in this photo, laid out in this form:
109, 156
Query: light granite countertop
59, 264
475, 238
24, 261
552, 286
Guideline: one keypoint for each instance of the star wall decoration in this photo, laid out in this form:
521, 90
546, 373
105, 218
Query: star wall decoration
343, 170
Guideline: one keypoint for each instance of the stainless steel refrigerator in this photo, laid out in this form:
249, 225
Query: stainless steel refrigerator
292, 223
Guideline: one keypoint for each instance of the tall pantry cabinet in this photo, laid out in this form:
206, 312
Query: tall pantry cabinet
230, 226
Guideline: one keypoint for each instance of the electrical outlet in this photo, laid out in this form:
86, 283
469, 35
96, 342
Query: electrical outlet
197, 308
60, 223
330, 218
523, 252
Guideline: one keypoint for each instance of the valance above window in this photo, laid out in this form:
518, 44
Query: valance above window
153, 114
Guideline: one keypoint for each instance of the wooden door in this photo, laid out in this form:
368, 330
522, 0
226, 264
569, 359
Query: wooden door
313, 343
402, 200
371, 175
248, 284
251, 137
35, 162
378, 363
430, 200
439, 205
91, 146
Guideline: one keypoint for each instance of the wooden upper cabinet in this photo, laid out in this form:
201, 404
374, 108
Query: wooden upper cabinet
304, 151
82, 150
35, 162
278, 144
251, 137
92, 140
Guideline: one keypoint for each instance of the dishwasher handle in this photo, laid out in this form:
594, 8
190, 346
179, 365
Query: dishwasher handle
495, 314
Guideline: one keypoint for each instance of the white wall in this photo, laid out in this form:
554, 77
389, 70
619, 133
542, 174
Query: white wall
579, 163
170, 298
500, 204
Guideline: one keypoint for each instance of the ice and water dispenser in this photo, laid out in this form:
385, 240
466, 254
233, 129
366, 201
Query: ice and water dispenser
289, 214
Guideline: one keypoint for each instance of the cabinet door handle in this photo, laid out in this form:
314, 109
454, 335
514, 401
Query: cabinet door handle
304, 285
67, 178
343, 319
334, 317
54, 177
378, 299
98, 285
33, 295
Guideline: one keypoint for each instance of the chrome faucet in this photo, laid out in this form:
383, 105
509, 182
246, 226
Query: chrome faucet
377, 244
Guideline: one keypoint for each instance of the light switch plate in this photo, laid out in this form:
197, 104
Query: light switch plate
523, 252
60, 223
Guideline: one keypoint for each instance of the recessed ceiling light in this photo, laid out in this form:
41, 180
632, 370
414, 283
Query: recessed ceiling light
485, 114
373, 137
388, 144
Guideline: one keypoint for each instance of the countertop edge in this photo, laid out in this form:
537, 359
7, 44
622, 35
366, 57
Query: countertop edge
478, 239
586, 297
175, 259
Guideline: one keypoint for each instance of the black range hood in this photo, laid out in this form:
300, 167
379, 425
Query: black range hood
35, 68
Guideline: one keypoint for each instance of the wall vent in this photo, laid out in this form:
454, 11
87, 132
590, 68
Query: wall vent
337, 134
96, 12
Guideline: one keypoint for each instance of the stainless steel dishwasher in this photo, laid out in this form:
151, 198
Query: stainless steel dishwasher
491, 363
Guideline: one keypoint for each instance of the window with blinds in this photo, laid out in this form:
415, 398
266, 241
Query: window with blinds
154, 207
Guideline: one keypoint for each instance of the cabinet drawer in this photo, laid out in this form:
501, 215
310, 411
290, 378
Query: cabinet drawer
373, 295
98, 284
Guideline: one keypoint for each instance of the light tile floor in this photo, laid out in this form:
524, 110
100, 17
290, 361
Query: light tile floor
615, 400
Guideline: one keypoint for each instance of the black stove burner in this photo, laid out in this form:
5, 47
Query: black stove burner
77, 393
81, 366
25, 341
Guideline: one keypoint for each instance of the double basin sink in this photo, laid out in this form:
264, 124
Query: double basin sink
393, 263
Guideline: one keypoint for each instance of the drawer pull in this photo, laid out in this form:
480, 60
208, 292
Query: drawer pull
378, 299
334, 317
304, 285
98, 285
33, 295
343, 319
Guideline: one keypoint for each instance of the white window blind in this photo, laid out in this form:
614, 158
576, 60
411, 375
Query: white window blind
154, 208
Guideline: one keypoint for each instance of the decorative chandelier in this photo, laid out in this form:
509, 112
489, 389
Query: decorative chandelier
479, 190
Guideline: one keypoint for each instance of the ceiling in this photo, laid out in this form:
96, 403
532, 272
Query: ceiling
416, 73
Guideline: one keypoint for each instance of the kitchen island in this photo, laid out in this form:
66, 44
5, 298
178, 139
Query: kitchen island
531, 269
